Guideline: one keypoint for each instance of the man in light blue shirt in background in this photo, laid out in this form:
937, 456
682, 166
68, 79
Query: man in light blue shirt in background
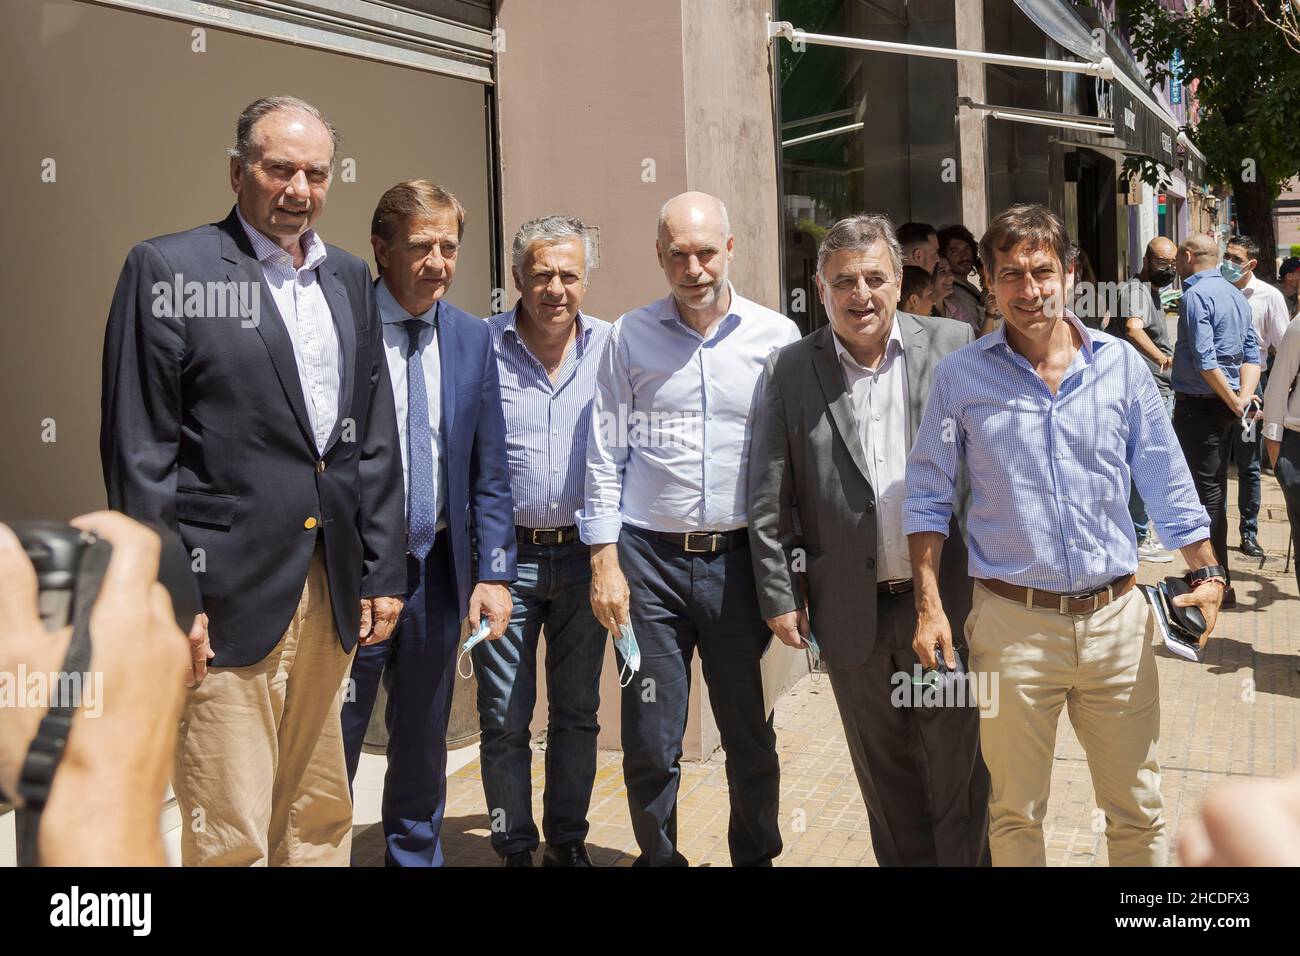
666, 504
1216, 369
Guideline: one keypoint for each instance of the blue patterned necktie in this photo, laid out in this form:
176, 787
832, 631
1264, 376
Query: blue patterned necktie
421, 501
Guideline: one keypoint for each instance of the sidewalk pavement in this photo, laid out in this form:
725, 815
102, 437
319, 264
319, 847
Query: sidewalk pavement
1237, 714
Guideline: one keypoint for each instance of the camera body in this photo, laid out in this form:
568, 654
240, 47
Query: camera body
55, 550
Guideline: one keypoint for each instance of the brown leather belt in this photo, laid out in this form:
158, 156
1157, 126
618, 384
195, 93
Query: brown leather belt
546, 536
1084, 603
899, 586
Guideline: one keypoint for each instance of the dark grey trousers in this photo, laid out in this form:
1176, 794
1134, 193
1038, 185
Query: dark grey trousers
924, 783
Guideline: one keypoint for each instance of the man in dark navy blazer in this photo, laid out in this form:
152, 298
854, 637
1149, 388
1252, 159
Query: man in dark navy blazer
460, 516
246, 406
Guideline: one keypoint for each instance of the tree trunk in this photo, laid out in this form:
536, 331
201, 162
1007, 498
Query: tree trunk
1254, 202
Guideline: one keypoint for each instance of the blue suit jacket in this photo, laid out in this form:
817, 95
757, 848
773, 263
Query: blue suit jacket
204, 431
480, 510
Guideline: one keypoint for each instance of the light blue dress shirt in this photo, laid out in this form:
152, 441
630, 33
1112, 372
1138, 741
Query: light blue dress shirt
396, 342
670, 426
547, 422
1215, 330
1050, 475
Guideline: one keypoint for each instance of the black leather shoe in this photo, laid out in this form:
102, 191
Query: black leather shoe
1229, 598
522, 858
566, 854
1250, 546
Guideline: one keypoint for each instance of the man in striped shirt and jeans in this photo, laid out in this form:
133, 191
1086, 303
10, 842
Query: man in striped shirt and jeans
1052, 419
547, 352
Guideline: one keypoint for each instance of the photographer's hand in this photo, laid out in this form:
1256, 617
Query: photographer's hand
25, 645
105, 800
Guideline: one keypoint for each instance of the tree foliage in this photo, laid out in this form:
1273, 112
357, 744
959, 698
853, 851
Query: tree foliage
1248, 82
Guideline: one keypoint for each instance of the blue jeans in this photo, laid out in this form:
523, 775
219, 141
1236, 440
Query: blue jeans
1137, 508
553, 590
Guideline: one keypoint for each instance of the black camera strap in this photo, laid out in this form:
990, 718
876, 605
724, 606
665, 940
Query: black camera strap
51, 739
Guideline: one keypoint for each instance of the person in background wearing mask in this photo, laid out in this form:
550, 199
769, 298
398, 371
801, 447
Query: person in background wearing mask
1216, 369
917, 296
1270, 318
1288, 276
1141, 322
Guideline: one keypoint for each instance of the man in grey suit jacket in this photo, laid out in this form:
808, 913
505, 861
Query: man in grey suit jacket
837, 415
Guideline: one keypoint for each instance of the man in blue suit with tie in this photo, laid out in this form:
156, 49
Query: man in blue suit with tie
460, 517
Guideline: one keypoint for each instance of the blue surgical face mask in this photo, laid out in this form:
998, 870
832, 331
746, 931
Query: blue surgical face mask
1232, 271
627, 646
484, 629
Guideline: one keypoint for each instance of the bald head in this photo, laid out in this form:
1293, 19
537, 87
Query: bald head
691, 209
1162, 248
1196, 254
694, 246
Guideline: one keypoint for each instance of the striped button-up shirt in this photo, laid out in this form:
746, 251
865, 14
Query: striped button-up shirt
547, 422
669, 441
1049, 474
300, 300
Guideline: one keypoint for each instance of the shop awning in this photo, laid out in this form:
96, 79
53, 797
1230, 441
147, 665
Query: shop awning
438, 36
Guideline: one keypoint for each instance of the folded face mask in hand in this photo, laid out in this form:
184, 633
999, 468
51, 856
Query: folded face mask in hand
484, 629
627, 646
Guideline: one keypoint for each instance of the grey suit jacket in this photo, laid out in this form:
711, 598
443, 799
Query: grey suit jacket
811, 505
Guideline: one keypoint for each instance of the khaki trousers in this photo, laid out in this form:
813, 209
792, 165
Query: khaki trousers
1101, 667
260, 777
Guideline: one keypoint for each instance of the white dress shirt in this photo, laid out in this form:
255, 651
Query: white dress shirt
879, 399
1268, 310
396, 341
670, 425
1282, 396
300, 300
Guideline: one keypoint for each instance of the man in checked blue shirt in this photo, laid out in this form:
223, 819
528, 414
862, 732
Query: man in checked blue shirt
1052, 419
547, 351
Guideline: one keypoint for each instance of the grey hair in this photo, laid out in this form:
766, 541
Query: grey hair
861, 232
256, 110
721, 211
553, 229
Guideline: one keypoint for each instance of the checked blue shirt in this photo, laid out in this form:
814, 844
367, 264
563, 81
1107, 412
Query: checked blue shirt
1049, 475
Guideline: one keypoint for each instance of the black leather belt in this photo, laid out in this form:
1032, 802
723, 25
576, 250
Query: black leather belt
705, 542
899, 586
1185, 397
546, 536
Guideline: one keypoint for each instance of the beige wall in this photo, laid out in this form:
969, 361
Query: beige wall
730, 148
137, 124
589, 90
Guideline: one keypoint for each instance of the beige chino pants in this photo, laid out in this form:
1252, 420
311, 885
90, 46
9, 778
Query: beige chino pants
1101, 668
260, 777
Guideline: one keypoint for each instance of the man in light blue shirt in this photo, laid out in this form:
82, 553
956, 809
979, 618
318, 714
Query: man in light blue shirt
1052, 421
1216, 370
547, 351
666, 501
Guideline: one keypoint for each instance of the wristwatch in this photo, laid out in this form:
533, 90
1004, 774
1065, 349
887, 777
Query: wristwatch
1211, 572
